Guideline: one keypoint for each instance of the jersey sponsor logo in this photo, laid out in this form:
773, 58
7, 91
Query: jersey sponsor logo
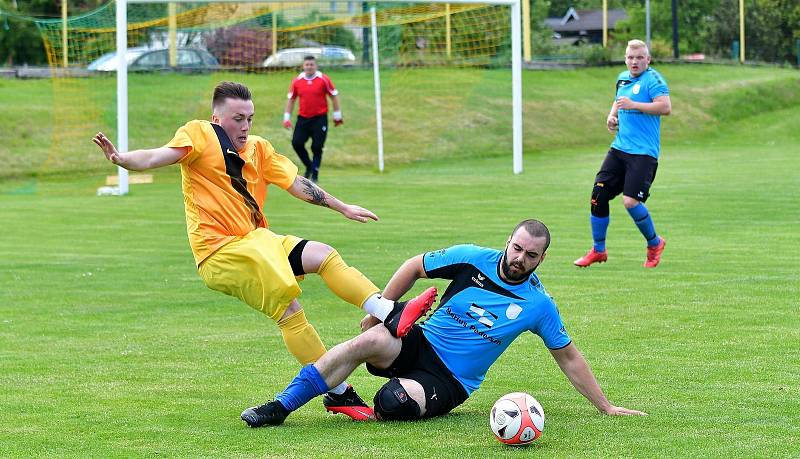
482, 315
479, 280
474, 329
563, 330
513, 310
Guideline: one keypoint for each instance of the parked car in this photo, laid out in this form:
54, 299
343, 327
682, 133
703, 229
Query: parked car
326, 55
141, 58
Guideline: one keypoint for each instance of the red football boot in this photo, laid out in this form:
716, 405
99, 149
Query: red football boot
349, 404
654, 254
592, 256
406, 313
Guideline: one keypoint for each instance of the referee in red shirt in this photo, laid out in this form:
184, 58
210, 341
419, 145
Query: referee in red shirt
311, 87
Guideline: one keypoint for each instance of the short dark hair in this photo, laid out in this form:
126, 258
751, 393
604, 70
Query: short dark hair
309, 57
229, 90
536, 229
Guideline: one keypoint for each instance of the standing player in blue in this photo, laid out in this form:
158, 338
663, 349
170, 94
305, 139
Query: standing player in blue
493, 297
642, 97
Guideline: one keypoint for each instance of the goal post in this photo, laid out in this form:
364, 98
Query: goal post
516, 69
122, 91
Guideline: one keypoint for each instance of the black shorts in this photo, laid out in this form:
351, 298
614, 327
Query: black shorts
418, 361
631, 175
315, 127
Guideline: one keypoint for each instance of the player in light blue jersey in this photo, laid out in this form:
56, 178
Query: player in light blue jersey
493, 297
642, 97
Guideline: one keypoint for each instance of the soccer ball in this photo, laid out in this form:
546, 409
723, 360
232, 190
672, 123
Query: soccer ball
517, 419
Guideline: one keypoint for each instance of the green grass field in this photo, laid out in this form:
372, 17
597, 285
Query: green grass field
110, 345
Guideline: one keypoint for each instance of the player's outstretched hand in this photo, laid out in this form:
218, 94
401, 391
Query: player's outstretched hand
108, 148
358, 213
287, 124
338, 122
622, 411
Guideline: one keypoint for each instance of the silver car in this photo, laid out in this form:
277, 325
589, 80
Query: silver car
325, 55
141, 58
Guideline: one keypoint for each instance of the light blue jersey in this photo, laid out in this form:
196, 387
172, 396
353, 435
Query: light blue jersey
480, 314
639, 133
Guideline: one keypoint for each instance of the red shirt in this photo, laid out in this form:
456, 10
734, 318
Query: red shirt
312, 93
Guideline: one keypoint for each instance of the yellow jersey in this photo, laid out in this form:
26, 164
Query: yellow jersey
215, 212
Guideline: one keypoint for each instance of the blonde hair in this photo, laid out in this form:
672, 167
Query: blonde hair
638, 44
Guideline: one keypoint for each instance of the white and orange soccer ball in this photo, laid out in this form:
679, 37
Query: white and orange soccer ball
517, 419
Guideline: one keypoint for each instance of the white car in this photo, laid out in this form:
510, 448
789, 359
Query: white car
325, 55
142, 58
108, 62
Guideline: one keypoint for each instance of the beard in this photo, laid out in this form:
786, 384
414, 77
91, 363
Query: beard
520, 275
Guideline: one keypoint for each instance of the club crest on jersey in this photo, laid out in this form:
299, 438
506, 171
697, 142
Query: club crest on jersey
513, 310
636, 88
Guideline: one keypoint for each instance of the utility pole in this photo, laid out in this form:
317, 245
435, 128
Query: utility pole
675, 51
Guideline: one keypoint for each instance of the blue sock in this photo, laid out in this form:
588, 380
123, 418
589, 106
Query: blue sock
305, 386
642, 219
599, 227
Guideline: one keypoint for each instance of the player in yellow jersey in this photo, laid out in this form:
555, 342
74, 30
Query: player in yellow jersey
225, 173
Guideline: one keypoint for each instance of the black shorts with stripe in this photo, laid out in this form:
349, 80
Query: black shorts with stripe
419, 362
631, 175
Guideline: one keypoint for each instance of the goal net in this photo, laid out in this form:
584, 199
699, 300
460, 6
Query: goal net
442, 87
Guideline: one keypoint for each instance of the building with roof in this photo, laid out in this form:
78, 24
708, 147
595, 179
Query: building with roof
583, 26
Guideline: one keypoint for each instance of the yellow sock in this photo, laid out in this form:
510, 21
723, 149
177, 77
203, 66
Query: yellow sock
301, 338
345, 281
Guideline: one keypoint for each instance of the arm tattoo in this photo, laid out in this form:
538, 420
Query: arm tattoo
314, 194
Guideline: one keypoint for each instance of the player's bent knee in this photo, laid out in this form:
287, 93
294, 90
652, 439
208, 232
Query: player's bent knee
630, 202
314, 255
320, 249
599, 201
392, 403
371, 340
